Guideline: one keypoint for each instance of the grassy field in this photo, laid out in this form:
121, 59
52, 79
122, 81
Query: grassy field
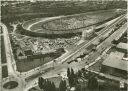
3, 55
25, 65
72, 22
26, 10
80, 20
4, 72
29, 64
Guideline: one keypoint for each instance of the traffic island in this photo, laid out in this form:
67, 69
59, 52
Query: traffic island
10, 85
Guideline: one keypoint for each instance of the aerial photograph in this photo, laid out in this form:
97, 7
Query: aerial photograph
63, 45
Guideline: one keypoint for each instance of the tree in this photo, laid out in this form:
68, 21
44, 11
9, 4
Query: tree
68, 72
46, 85
79, 73
92, 84
78, 87
72, 73
72, 78
49, 86
40, 82
115, 42
53, 86
62, 86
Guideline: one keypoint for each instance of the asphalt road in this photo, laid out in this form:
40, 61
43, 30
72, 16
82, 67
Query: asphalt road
61, 68
58, 68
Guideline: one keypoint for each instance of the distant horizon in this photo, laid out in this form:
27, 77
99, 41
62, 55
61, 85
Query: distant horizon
61, 0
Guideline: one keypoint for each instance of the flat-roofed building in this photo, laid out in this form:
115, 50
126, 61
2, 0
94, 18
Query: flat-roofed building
115, 65
88, 32
28, 52
123, 46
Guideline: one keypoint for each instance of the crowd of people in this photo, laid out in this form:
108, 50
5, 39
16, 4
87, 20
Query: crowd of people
78, 21
64, 23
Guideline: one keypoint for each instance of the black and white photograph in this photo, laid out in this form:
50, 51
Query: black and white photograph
63, 45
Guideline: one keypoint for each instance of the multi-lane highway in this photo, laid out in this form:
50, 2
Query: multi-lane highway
62, 68
66, 58
107, 43
90, 59
73, 54
80, 48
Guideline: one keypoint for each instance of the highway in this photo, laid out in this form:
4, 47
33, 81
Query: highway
61, 68
71, 55
107, 43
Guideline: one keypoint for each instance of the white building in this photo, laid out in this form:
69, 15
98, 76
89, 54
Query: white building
88, 32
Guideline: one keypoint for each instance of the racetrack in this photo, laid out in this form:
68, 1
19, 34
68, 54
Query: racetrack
69, 24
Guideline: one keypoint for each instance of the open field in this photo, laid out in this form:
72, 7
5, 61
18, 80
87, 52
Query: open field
26, 65
4, 72
72, 22
30, 10
35, 61
3, 55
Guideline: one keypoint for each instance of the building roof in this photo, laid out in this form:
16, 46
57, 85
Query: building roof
28, 52
123, 45
19, 52
114, 60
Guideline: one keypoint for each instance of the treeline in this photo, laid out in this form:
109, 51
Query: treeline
72, 81
47, 85
29, 10
23, 17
